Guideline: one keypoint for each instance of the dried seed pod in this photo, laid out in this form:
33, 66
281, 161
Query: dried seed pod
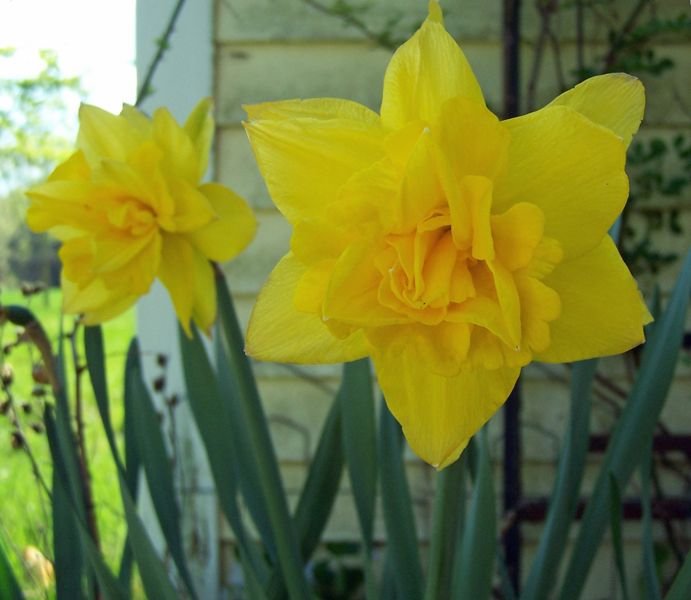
161, 360
38, 391
7, 374
159, 383
37, 427
5, 407
39, 373
172, 400
17, 440
27, 408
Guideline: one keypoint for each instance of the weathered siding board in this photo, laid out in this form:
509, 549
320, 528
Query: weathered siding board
290, 20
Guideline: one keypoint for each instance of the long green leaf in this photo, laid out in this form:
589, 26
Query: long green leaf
74, 529
319, 491
615, 524
254, 420
356, 398
636, 423
681, 587
402, 555
95, 364
321, 486
9, 587
254, 564
238, 450
150, 444
132, 456
159, 474
449, 500
67, 492
154, 575
564, 498
650, 580
474, 568
209, 400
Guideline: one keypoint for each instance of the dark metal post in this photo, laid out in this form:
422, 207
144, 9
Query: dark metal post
512, 431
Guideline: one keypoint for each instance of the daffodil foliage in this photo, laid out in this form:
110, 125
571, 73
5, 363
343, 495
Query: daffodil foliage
450, 246
129, 207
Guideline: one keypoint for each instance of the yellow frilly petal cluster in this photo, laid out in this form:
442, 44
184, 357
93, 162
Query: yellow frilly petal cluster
451, 247
129, 207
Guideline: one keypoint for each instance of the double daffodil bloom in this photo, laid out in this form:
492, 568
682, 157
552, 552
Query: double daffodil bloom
451, 247
129, 207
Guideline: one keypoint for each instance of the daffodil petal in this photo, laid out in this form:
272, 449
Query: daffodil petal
423, 73
313, 108
352, 293
180, 158
193, 209
440, 349
305, 161
472, 138
602, 312
204, 292
230, 231
177, 271
199, 127
570, 168
63, 203
95, 301
615, 101
440, 414
102, 134
279, 332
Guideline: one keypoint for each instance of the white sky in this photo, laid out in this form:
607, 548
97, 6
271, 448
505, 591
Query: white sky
93, 39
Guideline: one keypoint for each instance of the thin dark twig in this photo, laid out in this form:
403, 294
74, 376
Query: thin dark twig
558, 66
580, 39
85, 473
353, 21
616, 45
672, 540
545, 8
163, 45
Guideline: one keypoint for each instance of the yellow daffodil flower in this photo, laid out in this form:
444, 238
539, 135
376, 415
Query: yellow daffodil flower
450, 246
128, 207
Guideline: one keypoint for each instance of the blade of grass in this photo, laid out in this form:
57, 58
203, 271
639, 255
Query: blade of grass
402, 552
567, 484
474, 566
360, 448
636, 422
448, 499
254, 420
650, 580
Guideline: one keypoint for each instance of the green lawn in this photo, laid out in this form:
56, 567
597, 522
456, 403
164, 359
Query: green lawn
25, 518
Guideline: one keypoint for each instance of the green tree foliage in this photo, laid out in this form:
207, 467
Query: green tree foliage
37, 123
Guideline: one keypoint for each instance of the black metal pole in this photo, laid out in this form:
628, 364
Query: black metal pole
512, 430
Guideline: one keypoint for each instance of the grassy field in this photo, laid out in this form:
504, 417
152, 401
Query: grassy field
25, 516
